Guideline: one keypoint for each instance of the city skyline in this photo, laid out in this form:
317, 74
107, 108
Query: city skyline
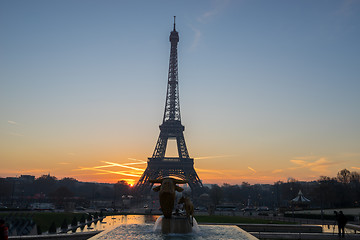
268, 90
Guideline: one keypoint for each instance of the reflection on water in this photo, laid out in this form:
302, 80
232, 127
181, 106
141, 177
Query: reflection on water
158, 223
127, 226
141, 228
334, 229
150, 218
112, 221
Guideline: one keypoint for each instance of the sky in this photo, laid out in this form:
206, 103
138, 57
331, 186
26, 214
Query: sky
269, 90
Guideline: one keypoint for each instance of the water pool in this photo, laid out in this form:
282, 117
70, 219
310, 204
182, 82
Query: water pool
142, 227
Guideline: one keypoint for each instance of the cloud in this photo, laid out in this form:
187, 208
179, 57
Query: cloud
301, 163
349, 155
218, 7
16, 134
197, 37
311, 157
357, 168
320, 165
309, 164
24, 171
252, 169
207, 15
209, 157
347, 8
208, 171
277, 171
134, 159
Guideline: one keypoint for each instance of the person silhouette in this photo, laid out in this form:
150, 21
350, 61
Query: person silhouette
341, 221
3, 230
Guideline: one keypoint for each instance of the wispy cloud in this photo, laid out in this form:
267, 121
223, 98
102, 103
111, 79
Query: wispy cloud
277, 171
197, 37
16, 134
320, 165
253, 170
357, 168
216, 156
24, 171
218, 7
349, 155
13, 128
63, 163
134, 159
347, 8
200, 170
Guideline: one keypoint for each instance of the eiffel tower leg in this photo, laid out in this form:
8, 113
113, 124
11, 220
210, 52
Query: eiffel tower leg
194, 180
182, 150
161, 144
143, 184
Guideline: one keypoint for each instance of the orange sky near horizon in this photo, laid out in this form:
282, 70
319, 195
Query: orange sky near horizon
302, 169
105, 156
269, 90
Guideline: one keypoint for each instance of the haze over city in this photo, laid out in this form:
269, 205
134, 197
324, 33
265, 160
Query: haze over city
269, 90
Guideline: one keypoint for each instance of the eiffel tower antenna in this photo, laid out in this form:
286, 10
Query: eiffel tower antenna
158, 165
174, 23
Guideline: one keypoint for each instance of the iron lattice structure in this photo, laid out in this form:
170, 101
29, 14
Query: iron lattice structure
159, 166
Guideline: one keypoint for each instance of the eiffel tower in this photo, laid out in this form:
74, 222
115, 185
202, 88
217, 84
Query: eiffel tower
159, 166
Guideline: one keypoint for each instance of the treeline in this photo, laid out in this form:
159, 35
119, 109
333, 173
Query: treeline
342, 190
21, 192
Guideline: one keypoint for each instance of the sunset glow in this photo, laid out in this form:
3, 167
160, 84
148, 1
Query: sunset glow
268, 90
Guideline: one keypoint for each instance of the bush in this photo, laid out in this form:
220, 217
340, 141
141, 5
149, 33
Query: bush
74, 221
52, 228
38, 229
315, 216
64, 224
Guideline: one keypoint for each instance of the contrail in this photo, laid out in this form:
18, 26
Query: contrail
134, 159
207, 157
123, 165
114, 172
110, 164
100, 170
208, 171
252, 169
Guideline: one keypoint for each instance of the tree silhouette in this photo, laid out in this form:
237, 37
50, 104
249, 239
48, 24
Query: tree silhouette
45, 183
344, 176
216, 194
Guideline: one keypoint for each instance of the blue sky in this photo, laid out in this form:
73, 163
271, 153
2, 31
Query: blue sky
268, 89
